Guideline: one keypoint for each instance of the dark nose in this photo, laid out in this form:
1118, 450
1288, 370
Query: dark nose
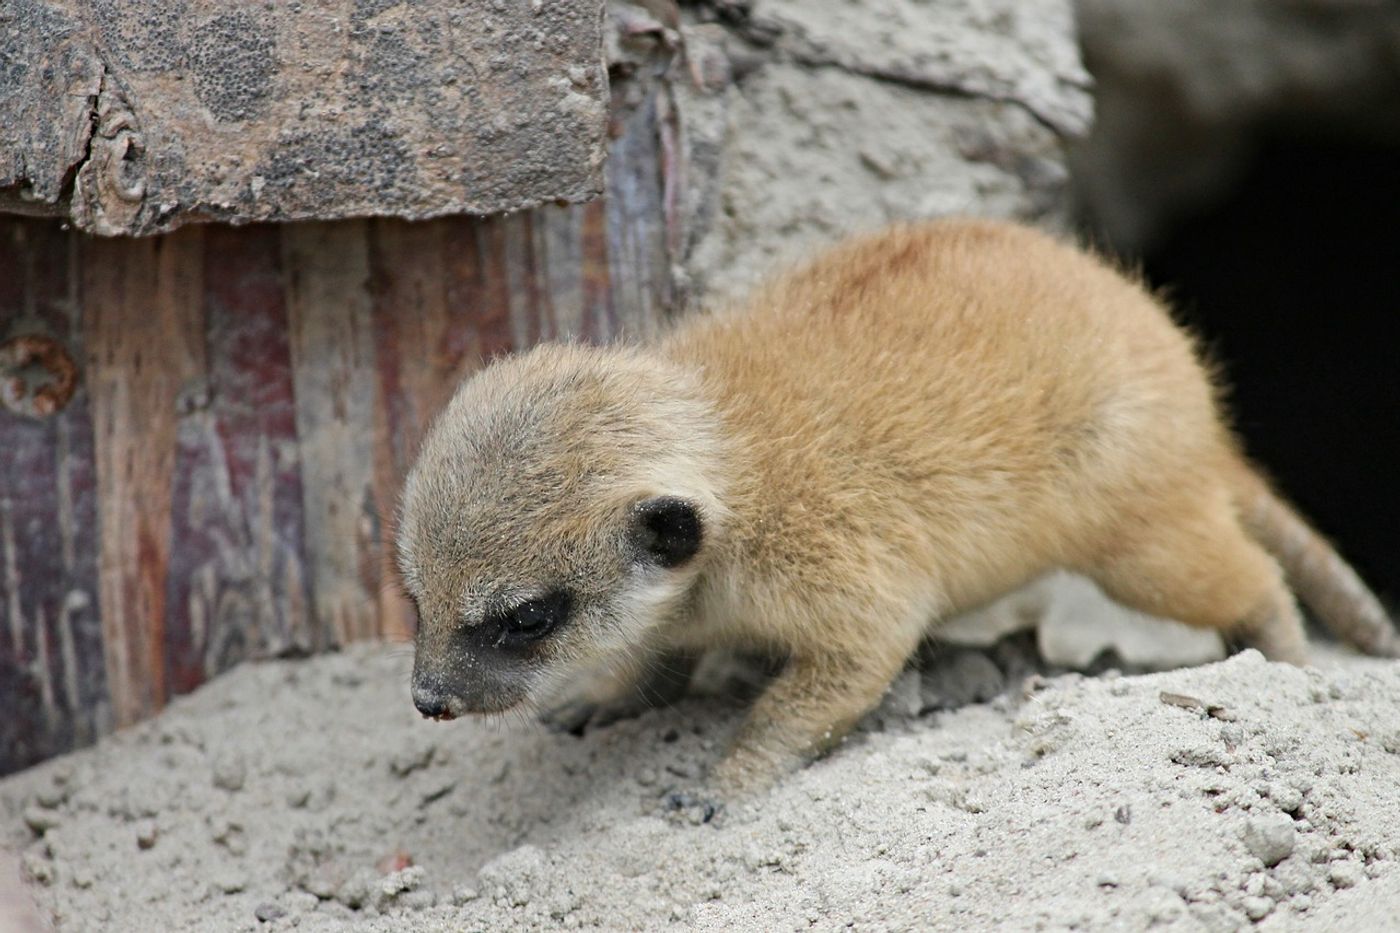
430, 702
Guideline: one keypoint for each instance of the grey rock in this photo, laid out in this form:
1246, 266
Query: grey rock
1270, 839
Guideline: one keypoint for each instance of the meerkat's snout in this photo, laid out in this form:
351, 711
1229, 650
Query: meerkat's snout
431, 701
485, 664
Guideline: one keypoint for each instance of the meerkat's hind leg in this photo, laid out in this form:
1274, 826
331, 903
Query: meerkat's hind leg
622, 691
1203, 569
1275, 628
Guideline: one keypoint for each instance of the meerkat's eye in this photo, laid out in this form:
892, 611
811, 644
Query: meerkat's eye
667, 530
530, 620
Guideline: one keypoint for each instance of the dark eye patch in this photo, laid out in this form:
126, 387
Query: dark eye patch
529, 621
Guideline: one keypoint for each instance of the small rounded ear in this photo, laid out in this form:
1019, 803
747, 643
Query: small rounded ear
666, 530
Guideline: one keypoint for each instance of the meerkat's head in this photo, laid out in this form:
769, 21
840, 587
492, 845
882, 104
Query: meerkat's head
562, 505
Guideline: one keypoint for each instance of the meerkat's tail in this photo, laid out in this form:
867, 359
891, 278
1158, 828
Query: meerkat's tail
1316, 572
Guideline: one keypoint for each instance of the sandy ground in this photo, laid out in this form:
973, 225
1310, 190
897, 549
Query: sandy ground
308, 794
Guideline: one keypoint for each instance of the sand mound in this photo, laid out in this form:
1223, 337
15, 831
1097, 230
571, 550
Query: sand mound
309, 794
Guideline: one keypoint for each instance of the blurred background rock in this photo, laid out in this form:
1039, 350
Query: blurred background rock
1247, 156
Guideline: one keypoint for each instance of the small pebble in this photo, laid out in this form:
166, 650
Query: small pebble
401, 881
422, 899
1288, 798
266, 913
1345, 874
230, 883
54, 795
322, 883
37, 868
229, 773
1270, 838
355, 890
146, 834
41, 819
1257, 908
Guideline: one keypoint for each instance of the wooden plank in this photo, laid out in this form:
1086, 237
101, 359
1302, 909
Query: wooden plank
236, 586
414, 355
422, 347
326, 270
142, 302
52, 674
639, 267
558, 249
600, 318
477, 289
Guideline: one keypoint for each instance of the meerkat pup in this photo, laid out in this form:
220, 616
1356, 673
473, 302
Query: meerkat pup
913, 424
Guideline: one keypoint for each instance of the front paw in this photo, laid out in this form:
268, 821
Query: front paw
579, 714
695, 807
571, 716
749, 771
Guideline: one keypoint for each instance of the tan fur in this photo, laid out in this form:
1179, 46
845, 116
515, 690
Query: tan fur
911, 425
1314, 568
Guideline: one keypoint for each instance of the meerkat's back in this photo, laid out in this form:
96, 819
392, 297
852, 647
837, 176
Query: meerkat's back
970, 403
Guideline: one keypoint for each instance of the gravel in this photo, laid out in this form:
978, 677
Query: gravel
983, 795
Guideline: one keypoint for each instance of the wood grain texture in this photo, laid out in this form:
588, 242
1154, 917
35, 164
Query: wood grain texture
639, 265
142, 318
333, 359
52, 673
419, 356
237, 583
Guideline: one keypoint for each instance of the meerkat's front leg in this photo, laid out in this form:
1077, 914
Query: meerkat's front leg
807, 709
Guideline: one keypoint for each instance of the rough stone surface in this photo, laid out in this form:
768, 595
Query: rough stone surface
1064, 802
1184, 88
136, 117
847, 117
993, 49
